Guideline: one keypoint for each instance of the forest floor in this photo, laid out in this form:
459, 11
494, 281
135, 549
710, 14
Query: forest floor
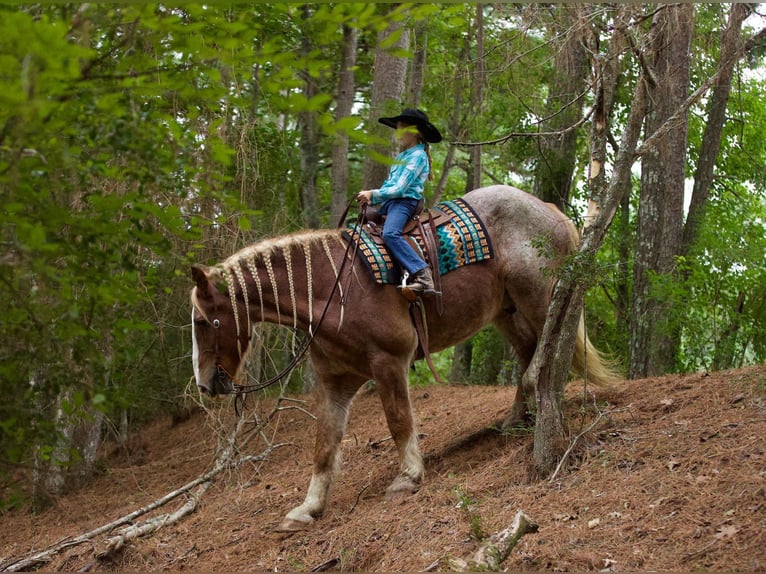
671, 477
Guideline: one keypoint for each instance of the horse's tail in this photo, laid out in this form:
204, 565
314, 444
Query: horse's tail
588, 362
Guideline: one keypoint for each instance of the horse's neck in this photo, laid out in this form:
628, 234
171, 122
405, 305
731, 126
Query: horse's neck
287, 282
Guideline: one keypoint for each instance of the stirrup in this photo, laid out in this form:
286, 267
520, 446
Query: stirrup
413, 294
405, 290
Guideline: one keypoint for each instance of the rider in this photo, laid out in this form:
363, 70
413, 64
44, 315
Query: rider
402, 190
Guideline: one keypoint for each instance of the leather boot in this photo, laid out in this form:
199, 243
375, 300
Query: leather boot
423, 282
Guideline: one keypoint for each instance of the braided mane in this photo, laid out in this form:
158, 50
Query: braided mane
260, 255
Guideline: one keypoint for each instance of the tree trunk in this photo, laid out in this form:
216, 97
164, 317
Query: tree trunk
654, 340
454, 127
418, 68
309, 145
556, 162
461, 362
726, 345
389, 76
474, 180
339, 172
607, 72
731, 45
550, 365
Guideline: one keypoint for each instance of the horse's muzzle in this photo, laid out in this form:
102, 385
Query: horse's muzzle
220, 384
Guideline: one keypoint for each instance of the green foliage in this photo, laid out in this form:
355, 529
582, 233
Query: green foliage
469, 506
725, 311
421, 375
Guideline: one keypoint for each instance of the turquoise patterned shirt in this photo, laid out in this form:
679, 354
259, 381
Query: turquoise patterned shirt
406, 177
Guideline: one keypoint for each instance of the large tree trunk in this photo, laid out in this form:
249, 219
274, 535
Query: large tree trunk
309, 159
654, 341
474, 178
731, 45
556, 163
390, 75
339, 172
550, 365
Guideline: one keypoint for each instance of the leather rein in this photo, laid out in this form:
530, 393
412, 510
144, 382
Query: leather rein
417, 314
224, 379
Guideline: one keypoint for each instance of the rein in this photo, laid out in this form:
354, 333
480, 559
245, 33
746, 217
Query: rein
240, 390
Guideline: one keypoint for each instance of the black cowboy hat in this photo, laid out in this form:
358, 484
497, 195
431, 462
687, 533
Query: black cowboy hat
416, 118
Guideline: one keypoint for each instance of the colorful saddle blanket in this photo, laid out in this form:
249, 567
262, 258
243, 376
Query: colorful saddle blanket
462, 239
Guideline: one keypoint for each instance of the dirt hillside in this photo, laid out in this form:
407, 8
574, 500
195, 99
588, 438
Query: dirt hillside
671, 477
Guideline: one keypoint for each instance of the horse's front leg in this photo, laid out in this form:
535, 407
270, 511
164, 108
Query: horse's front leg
332, 402
394, 393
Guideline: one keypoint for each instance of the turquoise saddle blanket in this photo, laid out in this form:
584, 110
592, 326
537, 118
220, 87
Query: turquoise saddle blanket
462, 239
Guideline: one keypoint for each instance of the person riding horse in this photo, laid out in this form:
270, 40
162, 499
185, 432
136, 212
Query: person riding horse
402, 191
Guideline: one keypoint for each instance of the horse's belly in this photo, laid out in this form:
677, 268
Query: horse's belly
472, 298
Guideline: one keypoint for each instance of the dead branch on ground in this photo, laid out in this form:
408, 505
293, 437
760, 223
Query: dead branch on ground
226, 459
495, 550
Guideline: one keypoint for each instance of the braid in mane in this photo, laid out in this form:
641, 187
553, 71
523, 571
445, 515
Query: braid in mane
273, 280
427, 146
254, 272
231, 284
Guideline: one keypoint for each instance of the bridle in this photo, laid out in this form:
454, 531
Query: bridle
229, 383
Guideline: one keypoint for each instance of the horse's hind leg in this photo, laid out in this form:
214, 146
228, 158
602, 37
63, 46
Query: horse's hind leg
333, 397
393, 388
523, 339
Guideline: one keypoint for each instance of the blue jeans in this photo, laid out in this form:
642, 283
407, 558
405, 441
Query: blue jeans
398, 212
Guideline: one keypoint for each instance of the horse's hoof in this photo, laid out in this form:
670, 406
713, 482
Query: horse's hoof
292, 525
402, 485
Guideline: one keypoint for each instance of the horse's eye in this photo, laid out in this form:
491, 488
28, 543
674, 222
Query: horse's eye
216, 323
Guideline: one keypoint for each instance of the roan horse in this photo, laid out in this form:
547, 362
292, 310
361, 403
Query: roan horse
367, 333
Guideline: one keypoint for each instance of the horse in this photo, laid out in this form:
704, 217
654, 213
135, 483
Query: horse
361, 330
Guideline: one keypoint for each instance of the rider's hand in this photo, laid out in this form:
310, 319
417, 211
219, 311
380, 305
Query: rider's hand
364, 197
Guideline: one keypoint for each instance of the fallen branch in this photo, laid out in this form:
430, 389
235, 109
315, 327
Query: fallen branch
114, 544
496, 549
196, 488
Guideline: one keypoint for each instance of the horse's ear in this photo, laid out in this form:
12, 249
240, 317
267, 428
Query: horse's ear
200, 275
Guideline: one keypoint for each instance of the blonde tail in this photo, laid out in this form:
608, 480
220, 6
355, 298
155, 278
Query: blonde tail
590, 363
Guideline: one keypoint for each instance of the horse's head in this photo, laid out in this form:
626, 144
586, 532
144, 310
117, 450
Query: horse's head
218, 346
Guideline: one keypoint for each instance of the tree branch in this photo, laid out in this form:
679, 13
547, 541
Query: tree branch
679, 116
512, 135
224, 461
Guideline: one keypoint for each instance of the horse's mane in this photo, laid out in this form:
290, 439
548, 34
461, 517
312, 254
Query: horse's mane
260, 254
266, 248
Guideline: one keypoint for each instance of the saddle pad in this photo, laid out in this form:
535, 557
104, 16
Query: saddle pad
462, 240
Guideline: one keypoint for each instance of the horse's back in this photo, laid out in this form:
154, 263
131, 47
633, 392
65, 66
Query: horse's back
524, 229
